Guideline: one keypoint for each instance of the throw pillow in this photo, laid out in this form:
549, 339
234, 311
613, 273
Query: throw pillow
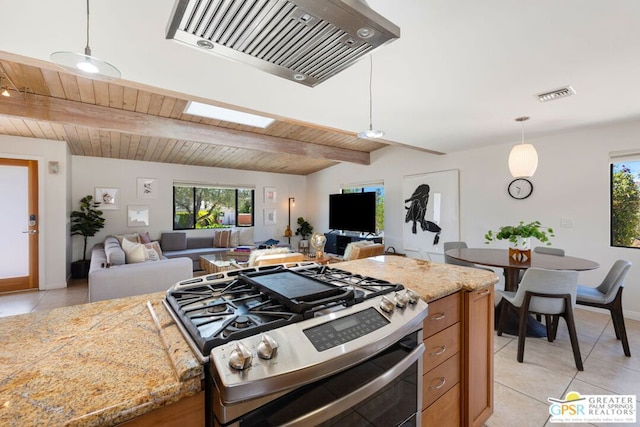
135, 252
144, 237
176, 241
132, 237
246, 236
235, 238
222, 239
155, 246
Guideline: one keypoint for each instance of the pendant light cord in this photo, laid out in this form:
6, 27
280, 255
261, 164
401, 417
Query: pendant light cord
370, 92
87, 49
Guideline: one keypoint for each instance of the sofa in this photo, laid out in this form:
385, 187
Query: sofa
178, 244
114, 273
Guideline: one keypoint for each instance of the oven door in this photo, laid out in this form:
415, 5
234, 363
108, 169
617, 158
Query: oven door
384, 391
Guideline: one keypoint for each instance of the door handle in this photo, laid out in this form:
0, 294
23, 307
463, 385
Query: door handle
30, 232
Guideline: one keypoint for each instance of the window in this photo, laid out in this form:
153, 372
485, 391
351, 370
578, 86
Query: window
196, 207
379, 190
625, 204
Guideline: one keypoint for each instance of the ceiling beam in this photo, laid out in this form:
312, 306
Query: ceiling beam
56, 110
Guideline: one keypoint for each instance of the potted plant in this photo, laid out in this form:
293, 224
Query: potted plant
519, 236
86, 223
304, 230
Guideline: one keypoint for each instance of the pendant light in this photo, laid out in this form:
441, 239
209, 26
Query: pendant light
85, 65
370, 133
523, 158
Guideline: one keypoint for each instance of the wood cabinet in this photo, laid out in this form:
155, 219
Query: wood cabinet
478, 356
457, 364
441, 360
183, 413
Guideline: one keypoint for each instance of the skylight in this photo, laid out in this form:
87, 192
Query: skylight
224, 114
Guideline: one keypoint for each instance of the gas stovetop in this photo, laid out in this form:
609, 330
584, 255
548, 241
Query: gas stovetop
216, 311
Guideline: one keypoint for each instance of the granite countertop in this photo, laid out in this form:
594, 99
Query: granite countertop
430, 280
103, 363
93, 364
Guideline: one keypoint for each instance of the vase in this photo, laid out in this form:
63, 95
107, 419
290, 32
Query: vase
520, 251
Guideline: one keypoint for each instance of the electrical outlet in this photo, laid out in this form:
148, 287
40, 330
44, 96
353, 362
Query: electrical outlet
566, 222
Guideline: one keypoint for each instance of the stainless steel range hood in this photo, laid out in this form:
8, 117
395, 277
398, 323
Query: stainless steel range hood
306, 41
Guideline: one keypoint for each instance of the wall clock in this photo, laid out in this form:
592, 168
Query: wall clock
520, 188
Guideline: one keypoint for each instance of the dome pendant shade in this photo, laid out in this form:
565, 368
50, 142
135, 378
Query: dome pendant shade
370, 134
523, 161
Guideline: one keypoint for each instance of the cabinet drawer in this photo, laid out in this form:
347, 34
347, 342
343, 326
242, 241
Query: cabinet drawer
445, 412
442, 314
440, 379
441, 346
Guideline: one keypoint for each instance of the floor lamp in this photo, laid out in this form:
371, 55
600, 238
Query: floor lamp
287, 232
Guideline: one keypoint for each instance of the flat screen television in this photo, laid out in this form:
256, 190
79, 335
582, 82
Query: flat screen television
353, 212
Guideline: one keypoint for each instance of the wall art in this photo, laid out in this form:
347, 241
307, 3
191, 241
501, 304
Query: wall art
109, 198
147, 188
138, 216
269, 195
270, 217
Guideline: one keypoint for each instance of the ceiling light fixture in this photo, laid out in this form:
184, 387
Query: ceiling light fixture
523, 158
85, 65
219, 113
371, 133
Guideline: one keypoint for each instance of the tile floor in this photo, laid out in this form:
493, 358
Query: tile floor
521, 389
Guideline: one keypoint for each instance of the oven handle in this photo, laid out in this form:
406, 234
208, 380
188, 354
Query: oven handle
334, 408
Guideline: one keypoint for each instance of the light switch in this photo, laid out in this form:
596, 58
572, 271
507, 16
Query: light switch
566, 222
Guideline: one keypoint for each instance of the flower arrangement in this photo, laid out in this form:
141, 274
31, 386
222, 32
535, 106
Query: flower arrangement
516, 234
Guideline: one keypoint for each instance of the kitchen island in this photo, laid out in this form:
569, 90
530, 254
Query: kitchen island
111, 361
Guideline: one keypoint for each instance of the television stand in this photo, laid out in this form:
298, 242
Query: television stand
337, 243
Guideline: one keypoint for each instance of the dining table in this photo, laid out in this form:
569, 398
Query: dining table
511, 269
500, 258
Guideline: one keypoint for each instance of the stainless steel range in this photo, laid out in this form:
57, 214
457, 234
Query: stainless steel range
306, 345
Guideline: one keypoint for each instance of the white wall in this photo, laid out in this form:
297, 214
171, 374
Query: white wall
91, 172
52, 197
571, 182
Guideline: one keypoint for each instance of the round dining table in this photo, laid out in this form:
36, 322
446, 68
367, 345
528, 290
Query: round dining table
500, 258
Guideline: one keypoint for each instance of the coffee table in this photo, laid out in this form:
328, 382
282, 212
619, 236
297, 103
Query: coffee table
217, 263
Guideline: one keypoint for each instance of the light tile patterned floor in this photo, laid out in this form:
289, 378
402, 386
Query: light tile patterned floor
521, 389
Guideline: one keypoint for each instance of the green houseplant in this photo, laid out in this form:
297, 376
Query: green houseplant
304, 229
85, 222
520, 234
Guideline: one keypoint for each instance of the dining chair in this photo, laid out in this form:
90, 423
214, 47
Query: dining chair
551, 293
450, 260
548, 250
608, 295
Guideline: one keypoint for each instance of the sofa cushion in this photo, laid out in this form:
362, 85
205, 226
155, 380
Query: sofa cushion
234, 240
173, 241
132, 237
154, 246
144, 237
135, 252
113, 251
222, 239
245, 238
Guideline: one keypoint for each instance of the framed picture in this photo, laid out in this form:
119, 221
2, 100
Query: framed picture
138, 216
147, 188
109, 198
269, 194
270, 217
431, 214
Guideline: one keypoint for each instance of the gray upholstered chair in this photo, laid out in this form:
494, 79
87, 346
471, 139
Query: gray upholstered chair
608, 295
459, 245
548, 250
551, 293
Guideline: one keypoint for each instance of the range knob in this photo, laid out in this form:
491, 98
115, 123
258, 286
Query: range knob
267, 348
412, 296
401, 300
386, 304
240, 357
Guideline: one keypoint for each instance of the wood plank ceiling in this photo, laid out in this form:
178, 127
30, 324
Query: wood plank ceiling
126, 120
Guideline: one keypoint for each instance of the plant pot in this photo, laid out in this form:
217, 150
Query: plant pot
80, 269
520, 251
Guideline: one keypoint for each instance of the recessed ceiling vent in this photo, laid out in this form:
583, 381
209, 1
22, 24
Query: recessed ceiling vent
305, 41
563, 92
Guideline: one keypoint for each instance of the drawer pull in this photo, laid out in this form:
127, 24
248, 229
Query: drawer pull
443, 380
484, 293
437, 316
439, 352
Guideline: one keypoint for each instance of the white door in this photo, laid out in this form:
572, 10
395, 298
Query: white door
18, 225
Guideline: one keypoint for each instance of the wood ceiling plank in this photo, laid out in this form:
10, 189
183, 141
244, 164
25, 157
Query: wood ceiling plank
70, 86
115, 144
143, 101
54, 84
116, 96
22, 128
167, 107
155, 104
125, 143
57, 110
35, 129
133, 146
101, 91
34, 79
130, 99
